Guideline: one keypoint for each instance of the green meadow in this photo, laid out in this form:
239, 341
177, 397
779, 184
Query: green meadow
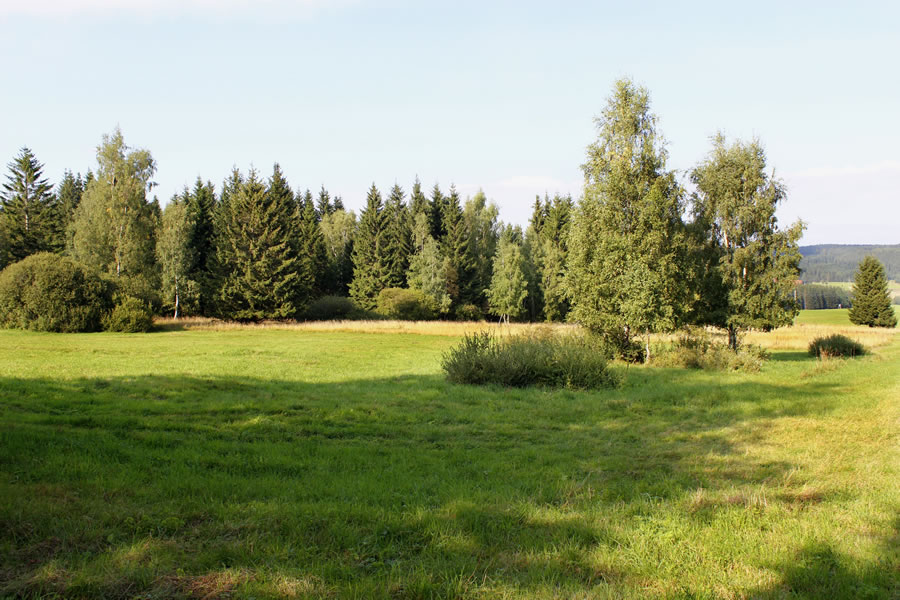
289, 463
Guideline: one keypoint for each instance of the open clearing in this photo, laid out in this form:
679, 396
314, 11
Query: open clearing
288, 462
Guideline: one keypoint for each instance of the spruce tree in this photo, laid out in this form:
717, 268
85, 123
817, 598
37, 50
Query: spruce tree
871, 298
554, 240
338, 231
370, 273
455, 247
323, 204
312, 253
436, 214
483, 229
398, 238
68, 197
29, 212
428, 270
418, 203
757, 264
200, 206
627, 252
257, 251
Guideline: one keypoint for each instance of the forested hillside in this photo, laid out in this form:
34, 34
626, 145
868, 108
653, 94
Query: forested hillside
838, 262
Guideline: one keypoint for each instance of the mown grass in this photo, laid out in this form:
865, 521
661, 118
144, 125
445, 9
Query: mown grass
291, 463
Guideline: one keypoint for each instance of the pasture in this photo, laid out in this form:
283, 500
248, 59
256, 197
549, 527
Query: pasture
336, 462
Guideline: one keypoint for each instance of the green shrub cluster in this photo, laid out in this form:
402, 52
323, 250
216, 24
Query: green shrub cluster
330, 308
130, 315
468, 312
695, 349
405, 305
49, 292
835, 345
520, 361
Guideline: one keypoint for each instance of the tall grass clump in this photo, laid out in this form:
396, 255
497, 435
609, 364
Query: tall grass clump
696, 349
529, 360
835, 345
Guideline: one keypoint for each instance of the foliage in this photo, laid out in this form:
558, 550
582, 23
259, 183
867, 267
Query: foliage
397, 238
695, 349
338, 230
201, 208
817, 296
30, 216
757, 265
406, 304
627, 267
468, 312
871, 299
177, 256
480, 217
508, 290
526, 360
428, 270
129, 315
330, 308
839, 262
370, 273
257, 252
835, 345
48, 292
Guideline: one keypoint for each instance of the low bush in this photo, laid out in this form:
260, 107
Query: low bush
49, 292
835, 345
330, 308
405, 305
468, 312
695, 349
130, 315
520, 361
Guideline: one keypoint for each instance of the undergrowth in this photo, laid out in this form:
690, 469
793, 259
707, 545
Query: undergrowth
525, 360
835, 345
696, 349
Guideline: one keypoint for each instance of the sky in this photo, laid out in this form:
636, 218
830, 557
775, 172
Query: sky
499, 96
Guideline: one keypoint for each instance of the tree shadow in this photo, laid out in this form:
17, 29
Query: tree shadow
403, 484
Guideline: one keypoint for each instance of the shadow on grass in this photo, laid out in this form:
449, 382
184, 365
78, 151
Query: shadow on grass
396, 487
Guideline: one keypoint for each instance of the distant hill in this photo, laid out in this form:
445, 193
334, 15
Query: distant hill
838, 262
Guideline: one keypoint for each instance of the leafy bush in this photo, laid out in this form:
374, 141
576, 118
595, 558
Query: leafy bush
49, 292
130, 315
405, 305
468, 312
526, 360
330, 308
696, 349
835, 345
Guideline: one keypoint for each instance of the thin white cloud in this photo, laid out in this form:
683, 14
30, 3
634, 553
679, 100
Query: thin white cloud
60, 9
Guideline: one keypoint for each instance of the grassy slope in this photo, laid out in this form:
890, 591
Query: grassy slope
279, 463
832, 316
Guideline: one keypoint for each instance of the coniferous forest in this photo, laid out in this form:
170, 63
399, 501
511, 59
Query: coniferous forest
636, 254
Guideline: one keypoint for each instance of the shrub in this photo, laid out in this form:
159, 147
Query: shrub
130, 315
330, 308
468, 312
405, 304
835, 345
696, 349
49, 292
527, 360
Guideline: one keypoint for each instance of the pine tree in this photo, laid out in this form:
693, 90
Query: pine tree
627, 251
256, 250
398, 238
370, 273
757, 264
29, 214
508, 290
201, 208
871, 298
436, 214
312, 253
455, 247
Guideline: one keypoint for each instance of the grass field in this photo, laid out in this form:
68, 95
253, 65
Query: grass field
293, 463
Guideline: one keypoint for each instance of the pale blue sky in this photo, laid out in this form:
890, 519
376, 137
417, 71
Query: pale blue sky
498, 95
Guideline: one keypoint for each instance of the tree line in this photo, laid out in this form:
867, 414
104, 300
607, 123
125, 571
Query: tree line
636, 254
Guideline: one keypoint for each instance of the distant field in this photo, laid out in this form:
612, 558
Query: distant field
834, 316
893, 286
290, 463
